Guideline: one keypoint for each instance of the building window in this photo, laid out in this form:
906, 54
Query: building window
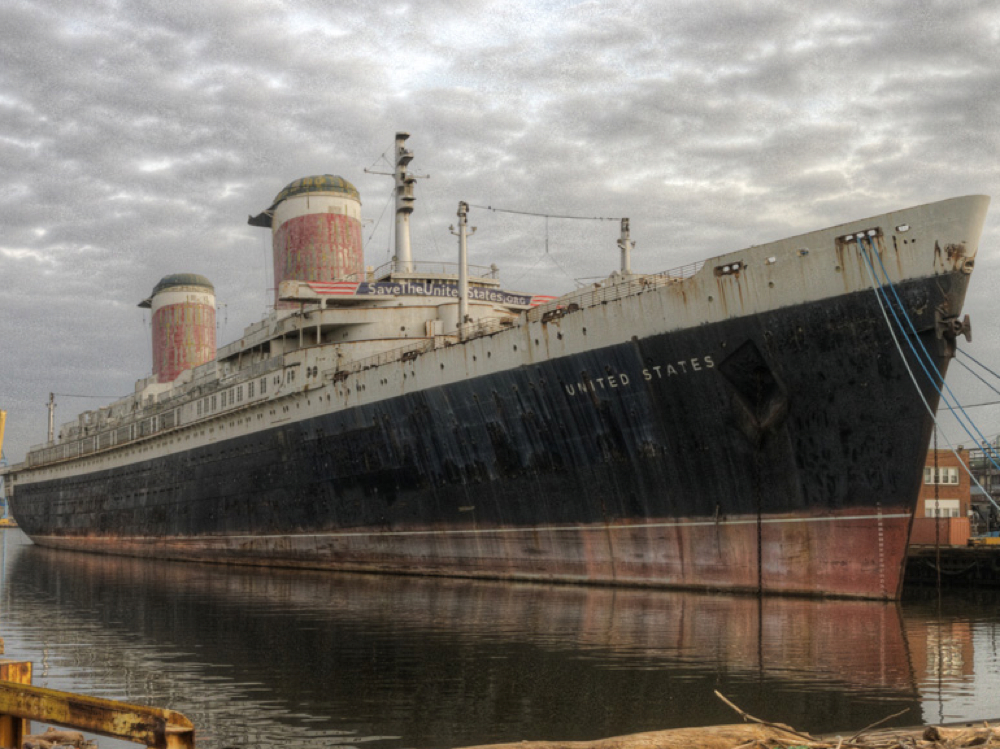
239, 394
941, 508
250, 389
944, 475
263, 385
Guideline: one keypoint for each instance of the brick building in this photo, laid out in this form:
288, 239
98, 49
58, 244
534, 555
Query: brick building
942, 514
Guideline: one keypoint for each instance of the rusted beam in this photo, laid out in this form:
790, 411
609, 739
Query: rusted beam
151, 726
13, 730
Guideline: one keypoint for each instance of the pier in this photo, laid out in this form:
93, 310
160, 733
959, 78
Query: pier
962, 566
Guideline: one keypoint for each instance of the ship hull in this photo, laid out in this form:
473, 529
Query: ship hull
852, 555
775, 452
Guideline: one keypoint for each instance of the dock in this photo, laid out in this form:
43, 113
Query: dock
962, 566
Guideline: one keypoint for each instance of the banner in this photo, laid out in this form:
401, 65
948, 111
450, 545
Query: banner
424, 288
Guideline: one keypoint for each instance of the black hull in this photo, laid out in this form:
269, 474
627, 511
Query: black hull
805, 412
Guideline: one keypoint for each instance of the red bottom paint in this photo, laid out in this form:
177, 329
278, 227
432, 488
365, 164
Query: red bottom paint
851, 554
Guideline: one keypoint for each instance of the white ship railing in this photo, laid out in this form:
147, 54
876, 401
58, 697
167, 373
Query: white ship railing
489, 326
479, 329
411, 350
427, 268
602, 294
161, 416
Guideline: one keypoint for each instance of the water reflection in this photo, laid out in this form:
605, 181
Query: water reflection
265, 658
955, 649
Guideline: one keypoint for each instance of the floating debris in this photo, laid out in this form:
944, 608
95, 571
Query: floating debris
55, 739
755, 733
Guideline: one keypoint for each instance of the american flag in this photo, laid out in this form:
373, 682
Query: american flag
536, 300
335, 288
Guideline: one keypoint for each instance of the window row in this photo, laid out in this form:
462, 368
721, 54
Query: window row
942, 476
231, 397
941, 508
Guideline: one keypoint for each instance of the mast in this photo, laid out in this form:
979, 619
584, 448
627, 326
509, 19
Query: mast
403, 261
626, 246
3, 464
463, 234
404, 204
52, 417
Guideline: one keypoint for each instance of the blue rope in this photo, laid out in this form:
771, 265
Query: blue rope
902, 309
930, 359
978, 376
957, 407
970, 356
877, 287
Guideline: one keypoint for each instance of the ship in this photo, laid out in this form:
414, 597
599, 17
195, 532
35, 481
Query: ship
750, 422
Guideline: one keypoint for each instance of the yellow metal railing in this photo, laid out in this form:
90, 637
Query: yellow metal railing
21, 702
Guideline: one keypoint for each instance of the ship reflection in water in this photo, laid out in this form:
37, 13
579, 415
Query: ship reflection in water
265, 658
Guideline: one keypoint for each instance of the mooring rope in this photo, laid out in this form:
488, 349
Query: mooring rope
879, 294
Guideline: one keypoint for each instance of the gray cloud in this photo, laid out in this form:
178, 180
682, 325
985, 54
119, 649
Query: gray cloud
136, 138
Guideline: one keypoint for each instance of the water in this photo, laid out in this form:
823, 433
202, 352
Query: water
270, 658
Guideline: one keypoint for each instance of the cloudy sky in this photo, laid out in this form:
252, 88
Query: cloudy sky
136, 137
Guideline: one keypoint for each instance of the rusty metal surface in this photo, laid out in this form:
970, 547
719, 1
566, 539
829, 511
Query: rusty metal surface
850, 554
151, 726
14, 729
